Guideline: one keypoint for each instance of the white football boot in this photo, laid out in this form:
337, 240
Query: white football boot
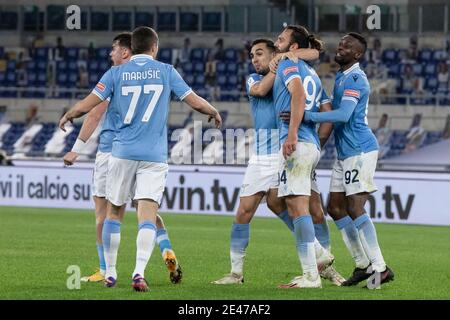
231, 278
304, 281
331, 274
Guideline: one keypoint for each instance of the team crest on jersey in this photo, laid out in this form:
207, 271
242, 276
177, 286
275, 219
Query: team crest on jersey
351, 93
100, 86
290, 69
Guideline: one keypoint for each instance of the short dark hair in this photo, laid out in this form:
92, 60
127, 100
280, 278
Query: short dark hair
301, 36
123, 39
269, 43
360, 38
143, 39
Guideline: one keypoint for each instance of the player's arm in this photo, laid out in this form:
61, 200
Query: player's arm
201, 105
261, 88
298, 99
80, 108
101, 92
303, 54
325, 128
87, 129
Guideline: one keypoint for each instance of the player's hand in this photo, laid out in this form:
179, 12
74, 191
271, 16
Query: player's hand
290, 145
70, 157
285, 116
63, 121
217, 118
273, 64
290, 55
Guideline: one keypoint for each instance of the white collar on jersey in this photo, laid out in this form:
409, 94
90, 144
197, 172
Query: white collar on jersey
137, 56
353, 67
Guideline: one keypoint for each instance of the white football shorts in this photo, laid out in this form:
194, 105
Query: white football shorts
100, 173
296, 172
355, 174
144, 179
261, 175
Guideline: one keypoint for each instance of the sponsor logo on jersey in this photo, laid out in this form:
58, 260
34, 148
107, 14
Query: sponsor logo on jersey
351, 93
290, 69
100, 86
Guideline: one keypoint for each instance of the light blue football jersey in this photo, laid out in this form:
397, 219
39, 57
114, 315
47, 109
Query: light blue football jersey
264, 120
140, 92
108, 130
288, 70
355, 136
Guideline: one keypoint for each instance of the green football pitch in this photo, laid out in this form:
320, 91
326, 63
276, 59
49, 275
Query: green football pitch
38, 245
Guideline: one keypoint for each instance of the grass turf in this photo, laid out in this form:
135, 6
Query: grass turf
38, 245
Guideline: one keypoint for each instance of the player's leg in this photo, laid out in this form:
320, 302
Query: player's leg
278, 206
240, 235
149, 196
368, 237
100, 203
326, 270
120, 179
337, 209
295, 187
165, 246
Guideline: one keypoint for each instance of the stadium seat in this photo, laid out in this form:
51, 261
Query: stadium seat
72, 53
430, 69
188, 68
61, 66
389, 56
232, 68
197, 54
165, 55
72, 66
199, 81
93, 66
42, 54
41, 66
189, 78
199, 68
231, 54
31, 65
221, 67
425, 55
439, 55
103, 53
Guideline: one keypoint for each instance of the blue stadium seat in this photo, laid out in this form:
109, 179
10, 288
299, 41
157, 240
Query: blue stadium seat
439, 55
41, 80
232, 82
72, 66
31, 65
31, 79
61, 66
11, 65
199, 81
188, 68
389, 56
104, 66
72, 80
222, 81
72, 53
430, 69
189, 78
221, 67
103, 53
42, 54
62, 79
165, 55
93, 65
394, 70
197, 54
417, 69
11, 79
232, 67
431, 84
199, 68
425, 55
230, 54
41, 66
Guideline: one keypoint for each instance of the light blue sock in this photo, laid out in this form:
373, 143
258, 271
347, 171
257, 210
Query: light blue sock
304, 236
352, 241
322, 234
111, 242
284, 216
368, 236
162, 238
240, 237
101, 257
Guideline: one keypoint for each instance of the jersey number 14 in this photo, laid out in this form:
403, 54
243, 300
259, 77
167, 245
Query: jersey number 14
136, 93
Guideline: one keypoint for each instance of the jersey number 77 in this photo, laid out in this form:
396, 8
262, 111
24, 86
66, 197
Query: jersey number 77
136, 93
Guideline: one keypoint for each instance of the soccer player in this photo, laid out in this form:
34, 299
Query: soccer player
297, 87
140, 92
261, 177
120, 54
353, 172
